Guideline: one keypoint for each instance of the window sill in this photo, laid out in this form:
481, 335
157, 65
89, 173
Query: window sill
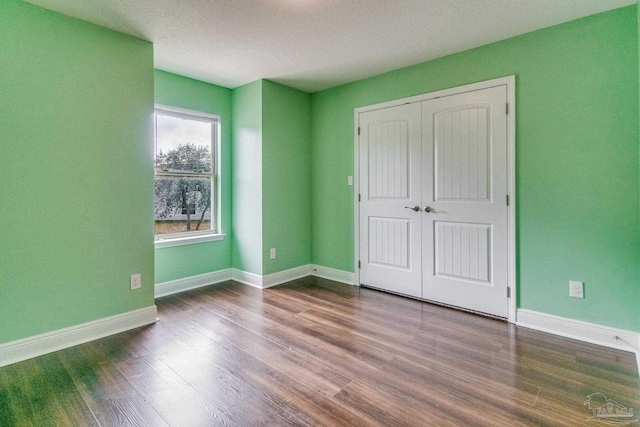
187, 240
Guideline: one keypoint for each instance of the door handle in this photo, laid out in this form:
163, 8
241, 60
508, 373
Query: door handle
415, 208
428, 209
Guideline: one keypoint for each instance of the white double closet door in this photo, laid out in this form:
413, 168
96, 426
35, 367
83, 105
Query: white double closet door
433, 216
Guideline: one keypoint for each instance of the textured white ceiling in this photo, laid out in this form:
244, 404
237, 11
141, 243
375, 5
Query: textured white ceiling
316, 44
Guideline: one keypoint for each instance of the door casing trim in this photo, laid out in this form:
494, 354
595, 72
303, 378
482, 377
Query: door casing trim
510, 83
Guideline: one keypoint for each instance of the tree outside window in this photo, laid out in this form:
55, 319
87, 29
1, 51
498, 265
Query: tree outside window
184, 172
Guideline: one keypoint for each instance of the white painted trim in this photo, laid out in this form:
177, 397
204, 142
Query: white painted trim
252, 279
579, 330
512, 280
247, 278
192, 282
486, 84
160, 242
285, 276
356, 192
638, 355
186, 113
510, 83
38, 345
270, 280
333, 274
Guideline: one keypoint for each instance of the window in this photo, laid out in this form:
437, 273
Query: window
185, 174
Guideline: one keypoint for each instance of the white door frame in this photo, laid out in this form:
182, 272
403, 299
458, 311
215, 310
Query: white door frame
510, 83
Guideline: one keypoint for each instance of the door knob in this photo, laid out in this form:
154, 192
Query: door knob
415, 208
428, 209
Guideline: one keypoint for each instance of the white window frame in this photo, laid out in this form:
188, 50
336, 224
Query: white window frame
191, 237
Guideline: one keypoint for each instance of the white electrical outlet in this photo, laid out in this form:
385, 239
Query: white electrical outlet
272, 253
349, 180
576, 289
136, 281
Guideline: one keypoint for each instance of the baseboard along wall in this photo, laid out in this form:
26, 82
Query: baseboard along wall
333, 274
569, 328
192, 282
252, 279
593, 333
38, 345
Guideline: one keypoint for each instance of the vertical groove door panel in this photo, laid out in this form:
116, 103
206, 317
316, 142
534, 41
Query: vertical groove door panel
390, 153
464, 180
461, 146
388, 242
462, 250
388, 161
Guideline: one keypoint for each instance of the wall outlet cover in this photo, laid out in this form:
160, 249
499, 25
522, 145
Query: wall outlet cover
272, 253
136, 281
576, 289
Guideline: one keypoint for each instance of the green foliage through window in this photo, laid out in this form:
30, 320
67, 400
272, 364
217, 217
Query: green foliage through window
184, 172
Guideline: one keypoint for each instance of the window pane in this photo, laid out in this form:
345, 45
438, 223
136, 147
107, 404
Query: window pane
182, 145
182, 204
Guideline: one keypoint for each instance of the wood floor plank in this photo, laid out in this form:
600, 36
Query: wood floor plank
247, 336
149, 374
112, 399
184, 406
261, 411
211, 380
40, 392
350, 322
158, 339
512, 398
314, 352
258, 307
244, 318
221, 292
344, 339
191, 332
345, 363
379, 407
315, 375
286, 391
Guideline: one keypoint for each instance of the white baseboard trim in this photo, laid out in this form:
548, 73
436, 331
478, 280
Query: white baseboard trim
579, 330
285, 276
638, 359
192, 282
264, 282
638, 354
38, 345
247, 278
333, 274
252, 279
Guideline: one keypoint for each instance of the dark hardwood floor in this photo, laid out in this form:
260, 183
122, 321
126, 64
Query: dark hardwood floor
316, 353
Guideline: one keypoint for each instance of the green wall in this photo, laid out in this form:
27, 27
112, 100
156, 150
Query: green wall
189, 260
76, 134
576, 158
247, 177
286, 177
75, 124
264, 197
271, 177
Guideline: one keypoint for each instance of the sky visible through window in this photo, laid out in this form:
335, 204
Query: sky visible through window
173, 131
183, 202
